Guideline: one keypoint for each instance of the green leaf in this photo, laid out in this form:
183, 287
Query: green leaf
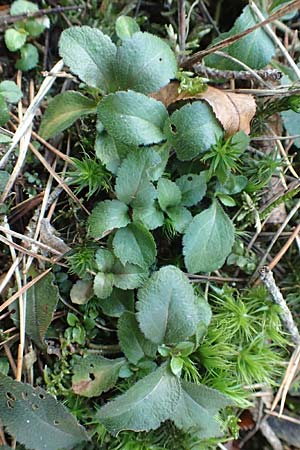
145, 405
90, 55
129, 276
180, 218
104, 260
29, 58
118, 302
168, 194
81, 292
256, 49
10, 91
192, 187
144, 63
14, 39
167, 312
291, 123
4, 176
197, 410
63, 110
208, 240
109, 151
103, 284
149, 215
125, 27
133, 343
135, 244
42, 299
133, 118
277, 3
35, 27
23, 7
4, 112
95, 374
176, 365
36, 419
192, 130
106, 216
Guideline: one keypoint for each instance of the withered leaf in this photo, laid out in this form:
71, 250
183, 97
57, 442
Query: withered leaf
234, 111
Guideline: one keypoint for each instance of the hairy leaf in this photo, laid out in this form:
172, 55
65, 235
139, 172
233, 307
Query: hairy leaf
208, 240
36, 419
133, 343
133, 118
106, 216
135, 244
95, 374
192, 187
145, 405
129, 276
63, 111
90, 54
144, 63
167, 312
149, 215
192, 130
110, 152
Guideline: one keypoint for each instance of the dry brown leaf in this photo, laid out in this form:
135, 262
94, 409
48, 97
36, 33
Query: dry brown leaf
234, 111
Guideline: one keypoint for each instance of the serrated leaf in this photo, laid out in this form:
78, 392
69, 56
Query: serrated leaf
192, 130
36, 418
197, 410
95, 374
144, 63
90, 54
117, 303
192, 187
133, 343
135, 244
103, 284
208, 240
256, 49
42, 298
145, 405
126, 26
10, 91
151, 216
180, 218
133, 118
4, 112
129, 276
63, 110
14, 39
167, 312
168, 194
29, 58
106, 216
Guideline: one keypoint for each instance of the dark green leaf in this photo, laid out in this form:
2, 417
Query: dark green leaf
4, 112
192, 130
167, 312
119, 302
125, 27
208, 240
129, 276
106, 216
36, 419
133, 118
95, 374
145, 405
180, 218
192, 187
63, 111
90, 55
149, 215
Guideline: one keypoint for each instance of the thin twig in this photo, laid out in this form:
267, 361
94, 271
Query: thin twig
264, 74
8, 19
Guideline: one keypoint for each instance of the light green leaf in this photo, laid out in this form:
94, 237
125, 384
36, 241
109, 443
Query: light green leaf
208, 240
119, 302
133, 118
256, 49
135, 244
4, 112
23, 7
90, 55
103, 284
144, 63
149, 215
192, 130
129, 276
5, 138
10, 91
36, 418
145, 405
35, 27
180, 218
167, 312
104, 259
156, 171
95, 374
63, 110
125, 27
168, 194
14, 39
133, 343
81, 292
4, 176
110, 152
106, 216
176, 365
197, 410
29, 58
192, 187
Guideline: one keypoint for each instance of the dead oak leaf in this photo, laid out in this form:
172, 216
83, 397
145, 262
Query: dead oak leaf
234, 111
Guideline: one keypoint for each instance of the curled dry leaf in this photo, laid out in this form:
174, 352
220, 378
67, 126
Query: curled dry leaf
234, 111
